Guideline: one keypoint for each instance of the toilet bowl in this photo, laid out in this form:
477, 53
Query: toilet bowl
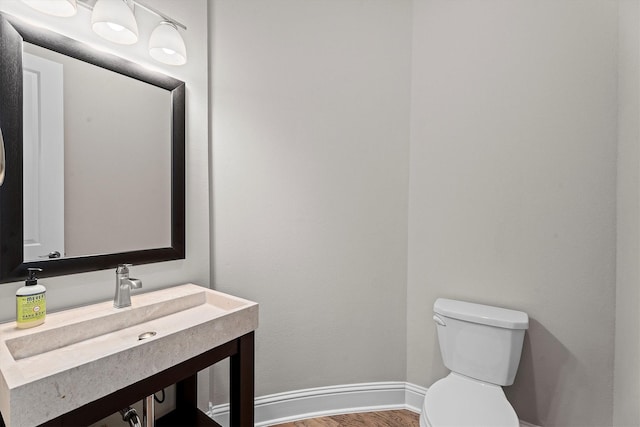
462, 401
481, 345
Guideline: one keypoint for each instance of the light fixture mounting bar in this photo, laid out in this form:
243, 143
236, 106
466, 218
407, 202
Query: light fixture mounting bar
90, 3
160, 14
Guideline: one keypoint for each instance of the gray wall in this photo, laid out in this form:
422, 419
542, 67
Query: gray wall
512, 196
627, 368
310, 119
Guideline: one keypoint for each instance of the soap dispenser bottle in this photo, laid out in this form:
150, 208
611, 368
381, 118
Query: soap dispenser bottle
31, 302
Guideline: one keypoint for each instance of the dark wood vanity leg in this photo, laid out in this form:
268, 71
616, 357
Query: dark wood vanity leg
187, 393
242, 383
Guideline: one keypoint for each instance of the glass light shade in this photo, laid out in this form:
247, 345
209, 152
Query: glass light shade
54, 7
166, 45
114, 20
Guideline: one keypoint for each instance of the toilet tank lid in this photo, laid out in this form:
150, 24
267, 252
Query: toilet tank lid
483, 314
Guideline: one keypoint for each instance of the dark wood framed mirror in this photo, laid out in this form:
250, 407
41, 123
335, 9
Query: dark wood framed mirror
14, 36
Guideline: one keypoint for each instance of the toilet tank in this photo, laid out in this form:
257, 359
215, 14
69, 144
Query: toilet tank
480, 341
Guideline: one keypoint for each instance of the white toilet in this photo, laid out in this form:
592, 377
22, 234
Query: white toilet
481, 345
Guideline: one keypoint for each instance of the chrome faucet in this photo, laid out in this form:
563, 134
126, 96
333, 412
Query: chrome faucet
124, 284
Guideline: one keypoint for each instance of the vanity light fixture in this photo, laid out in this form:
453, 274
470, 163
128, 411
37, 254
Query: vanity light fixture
63, 8
114, 20
166, 44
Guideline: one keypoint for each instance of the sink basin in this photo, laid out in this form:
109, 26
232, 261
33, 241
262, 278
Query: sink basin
83, 354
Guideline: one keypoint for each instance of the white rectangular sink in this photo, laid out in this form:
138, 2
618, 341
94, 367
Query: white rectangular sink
83, 354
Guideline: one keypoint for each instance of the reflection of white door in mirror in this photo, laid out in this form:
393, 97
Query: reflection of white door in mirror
43, 154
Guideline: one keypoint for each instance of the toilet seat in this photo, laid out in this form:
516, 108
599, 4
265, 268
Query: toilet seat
460, 401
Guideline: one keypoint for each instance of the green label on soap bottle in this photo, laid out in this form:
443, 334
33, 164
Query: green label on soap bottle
31, 307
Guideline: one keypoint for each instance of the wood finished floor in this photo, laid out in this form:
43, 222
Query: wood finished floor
400, 418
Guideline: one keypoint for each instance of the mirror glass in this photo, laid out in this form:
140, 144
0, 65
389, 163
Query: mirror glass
97, 159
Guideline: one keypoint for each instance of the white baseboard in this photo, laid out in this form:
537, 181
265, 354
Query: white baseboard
414, 397
334, 400
326, 401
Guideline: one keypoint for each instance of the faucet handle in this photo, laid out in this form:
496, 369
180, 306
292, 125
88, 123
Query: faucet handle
123, 268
